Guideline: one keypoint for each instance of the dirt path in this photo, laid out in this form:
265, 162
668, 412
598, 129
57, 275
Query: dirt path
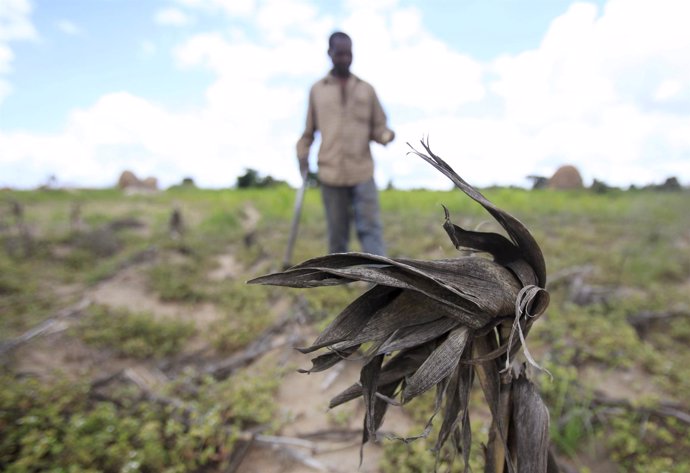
303, 398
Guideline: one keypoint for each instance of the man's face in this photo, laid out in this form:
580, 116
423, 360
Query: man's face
341, 56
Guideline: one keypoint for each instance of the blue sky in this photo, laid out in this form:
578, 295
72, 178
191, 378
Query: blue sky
208, 88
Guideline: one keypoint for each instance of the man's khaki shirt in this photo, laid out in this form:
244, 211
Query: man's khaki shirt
348, 118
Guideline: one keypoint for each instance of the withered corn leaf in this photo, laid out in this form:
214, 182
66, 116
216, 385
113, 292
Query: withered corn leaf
439, 365
523, 239
415, 335
403, 364
456, 416
530, 421
442, 323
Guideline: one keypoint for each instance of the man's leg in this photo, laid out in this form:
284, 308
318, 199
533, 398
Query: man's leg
367, 218
336, 202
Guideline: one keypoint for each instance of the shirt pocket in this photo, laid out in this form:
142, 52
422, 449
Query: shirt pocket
361, 109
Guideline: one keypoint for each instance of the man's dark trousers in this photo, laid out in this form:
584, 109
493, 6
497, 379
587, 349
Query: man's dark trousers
360, 201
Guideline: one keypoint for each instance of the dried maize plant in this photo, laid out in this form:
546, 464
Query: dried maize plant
441, 324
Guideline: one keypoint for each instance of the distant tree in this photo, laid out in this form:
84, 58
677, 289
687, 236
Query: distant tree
539, 182
670, 184
599, 187
248, 179
251, 178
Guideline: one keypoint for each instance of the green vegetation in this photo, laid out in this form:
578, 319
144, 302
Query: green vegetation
245, 315
251, 178
640, 444
21, 304
177, 281
629, 251
63, 427
418, 456
138, 335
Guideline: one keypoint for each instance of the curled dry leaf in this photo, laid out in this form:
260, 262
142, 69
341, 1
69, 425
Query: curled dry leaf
441, 324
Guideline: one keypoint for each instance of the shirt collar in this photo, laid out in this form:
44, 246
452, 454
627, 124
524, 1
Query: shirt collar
330, 78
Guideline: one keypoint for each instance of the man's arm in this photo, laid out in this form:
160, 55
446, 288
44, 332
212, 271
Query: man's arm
307, 138
379, 127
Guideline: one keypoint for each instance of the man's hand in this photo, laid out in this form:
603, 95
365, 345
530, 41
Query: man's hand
303, 166
387, 136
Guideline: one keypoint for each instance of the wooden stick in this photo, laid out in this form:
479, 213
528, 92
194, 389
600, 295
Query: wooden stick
53, 324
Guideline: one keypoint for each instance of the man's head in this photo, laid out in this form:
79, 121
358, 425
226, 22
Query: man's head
340, 52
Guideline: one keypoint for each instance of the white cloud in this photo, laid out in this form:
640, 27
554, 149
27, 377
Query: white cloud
373, 5
587, 94
172, 17
232, 8
6, 58
122, 131
14, 21
279, 19
607, 90
15, 25
668, 90
242, 60
236, 7
68, 27
408, 65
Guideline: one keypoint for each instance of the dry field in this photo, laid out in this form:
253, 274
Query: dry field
130, 341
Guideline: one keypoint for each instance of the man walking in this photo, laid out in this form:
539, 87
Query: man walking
348, 115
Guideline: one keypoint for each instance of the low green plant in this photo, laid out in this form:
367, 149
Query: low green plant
222, 221
138, 335
571, 415
669, 365
596, 333
641, 444
418, 456
324, 304
59, 427
55, 427
246, 399
412, 457
245, 315
78, 260
23, 302
249, 397
105, 268
177, 281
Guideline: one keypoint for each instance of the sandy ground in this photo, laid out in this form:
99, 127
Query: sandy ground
304, 400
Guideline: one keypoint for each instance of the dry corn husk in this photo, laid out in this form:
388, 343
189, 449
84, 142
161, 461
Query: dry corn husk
441, 324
